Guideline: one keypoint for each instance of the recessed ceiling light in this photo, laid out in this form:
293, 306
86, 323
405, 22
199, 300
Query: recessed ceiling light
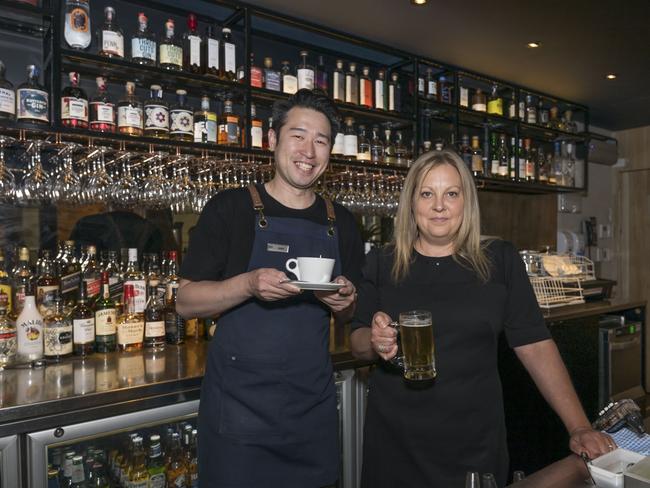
418, 2
534, 44
611, 76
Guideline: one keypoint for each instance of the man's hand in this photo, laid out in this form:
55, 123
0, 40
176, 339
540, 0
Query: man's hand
383, 337
591, 442
269, 284
341, 299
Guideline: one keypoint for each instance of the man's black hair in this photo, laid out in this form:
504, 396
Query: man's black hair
314, 99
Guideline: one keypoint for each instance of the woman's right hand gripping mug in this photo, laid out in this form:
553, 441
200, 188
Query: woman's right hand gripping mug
415, 345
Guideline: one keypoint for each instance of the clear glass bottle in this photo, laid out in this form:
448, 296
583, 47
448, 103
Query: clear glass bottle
78, 477
445, 90
181, 118
554, 120
143, 43
174, 323
256, 74
170, 50
155, 463
479, 101
569, 123
531, 110
7, 96
289, 81
47, 285
352, 85
133, 276
495, 102
57, 332
338, 82
8, 340
83, 324
363, 145
477, 157
156, 114
542, 167
32, 100
466, 151
521, 155
512, 172
431, 85
192, 49
205, 123
154, 321
138, 473
272, 79
389, 147
394, 93
542, 114
229, 127
365, 88
211, 52
172, 280
376, 146
110, 38
228, 56
350, 139
102, 109
530, 161
305, 73
129, 113
29, 329
74, 104
512, 107
130, 325
176, 469
380, 90
105, 318
401, 151
322, 78
257, 129
77, 31
23, 279
503, 157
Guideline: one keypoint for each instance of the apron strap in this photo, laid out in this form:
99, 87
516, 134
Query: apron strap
258, 205
331, 216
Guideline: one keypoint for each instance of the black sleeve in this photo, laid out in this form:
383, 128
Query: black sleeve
368, 291
350, 246
524, 322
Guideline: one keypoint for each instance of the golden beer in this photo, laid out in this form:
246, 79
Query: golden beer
416, 333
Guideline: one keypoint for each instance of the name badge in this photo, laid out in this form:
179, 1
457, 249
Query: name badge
271, 247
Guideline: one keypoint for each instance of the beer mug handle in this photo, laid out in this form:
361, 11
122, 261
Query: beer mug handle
398, 359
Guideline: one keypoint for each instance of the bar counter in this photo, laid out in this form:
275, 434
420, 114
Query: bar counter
569, 472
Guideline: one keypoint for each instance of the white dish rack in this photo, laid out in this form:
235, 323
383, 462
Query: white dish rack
559, 277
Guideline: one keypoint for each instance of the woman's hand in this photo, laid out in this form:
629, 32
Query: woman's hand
590, 441
383, 337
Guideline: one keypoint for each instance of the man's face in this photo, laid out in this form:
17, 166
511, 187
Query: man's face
303, 148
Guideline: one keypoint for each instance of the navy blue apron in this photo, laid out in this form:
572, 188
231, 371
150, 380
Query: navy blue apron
267, 416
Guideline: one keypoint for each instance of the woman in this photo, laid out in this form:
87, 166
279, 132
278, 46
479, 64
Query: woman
474, 289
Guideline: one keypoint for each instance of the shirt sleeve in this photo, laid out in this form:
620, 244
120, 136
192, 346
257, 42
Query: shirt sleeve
524, 322
367, 292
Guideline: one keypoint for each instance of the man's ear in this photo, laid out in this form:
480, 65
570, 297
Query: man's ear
273, 139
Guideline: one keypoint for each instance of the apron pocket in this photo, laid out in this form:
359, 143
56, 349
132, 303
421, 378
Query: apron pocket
254, 397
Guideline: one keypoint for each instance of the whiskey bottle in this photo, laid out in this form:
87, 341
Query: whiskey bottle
464, 97
211, 52
105, 318
272, 80
477, 157
479, 102
542, 114
495, 102
350, 139
170, 51
23, 279
7, 96
181, 119
172, 280
376, 146
156, 114
569, 124
322, 80
553, 121
363, 144
352, 85
192, 460
129, 112
113, 268
130, 325
466, 151
289, 81
394, 94
91, 274
192, 46
154, 321
256, 74
57, 332
32, 101
257, 129
542, 167
229, 126
83, 324
174, 323
155, 463
29, 329
134, 277
8, 341
494, 156
6, 293
47, 285
445, 90
380, 90
512, 107
530, 161
512, 171
77, 24
521, 159
205, 123
102, 109
110, 38
338, 82
69, 272
431, 85
228, 56
305, 73
143, 43
365, 88
74, 104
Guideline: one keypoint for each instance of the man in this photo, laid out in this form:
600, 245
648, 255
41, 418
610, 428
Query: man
268, 407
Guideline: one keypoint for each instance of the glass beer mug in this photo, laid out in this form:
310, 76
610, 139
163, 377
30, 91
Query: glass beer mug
415, 354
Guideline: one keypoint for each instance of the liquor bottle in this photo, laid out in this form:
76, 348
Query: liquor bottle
57, 332
380, 84
477, 157
47, 285
138, 474
542, 114
78, 477
445, 90
531, 110
338, 148
305, 73
363, 145
512, 107
32, 101
105, 318
102, 109
110, 38
338, 82
495, 102
205, 123
176, 469
521, 161
228, 133
530, 161
134, 277
422, 90
554, 120
156, 114
256, 74
8, 340
77, 24
257, 129
479, 102
29, 329
99, 476
113, 268
350, 139
365, 88
376, 146
466, 151
74, 104
130, 325
431, 85
181, 118
129, 112
569, 123
352, 85
512, 171
394, 94
401, 151
174, 323
83, 324
464, 97
7, 96
504, 157
494, 156
69, 272
227, 56
322, 80
155, 463
143, 43
272, 79
170, 51
542, 167
22, 280
192, 46
154, 321
389, 147
192, 460
289, 81
171, 278
6, 293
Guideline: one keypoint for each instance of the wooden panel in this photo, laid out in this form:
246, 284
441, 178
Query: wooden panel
67, 216
528, 221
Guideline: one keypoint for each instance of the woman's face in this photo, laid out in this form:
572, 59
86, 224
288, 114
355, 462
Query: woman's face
438, 209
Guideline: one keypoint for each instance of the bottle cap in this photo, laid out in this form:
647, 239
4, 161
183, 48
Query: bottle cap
74, 78
181, 92
191, 21
304, 53
109, 12
226, 30
101, 82
268, 62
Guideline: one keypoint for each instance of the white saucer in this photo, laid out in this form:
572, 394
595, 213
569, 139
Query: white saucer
306, 285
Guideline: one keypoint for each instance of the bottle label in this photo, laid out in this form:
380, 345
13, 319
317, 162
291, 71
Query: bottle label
74, 108
479, 107
391, 98
195, 50
129, 116
305, 78
182, 121
350, 90
84, 330
154, 329
350, 145
70, 283
289, 84
464, 97
338, 147
103, 112
522, 110
5, 297
140, 290
32, 104
7, 101
156, 117
273, 80
93, 287
477, 163
230, 63
494, 169
19, 295
57, 339
29, 332
338, 86
143, 48
105, 321
421, 86
157, 480
495, 106
379, 95
256, 77
206, 131
256, 136
45, 296
179, 482
213, 54
170, 54
365, 94
432, 88
229, 131
363, 156
503, 171
79, 20
8, 345
112, 43
130, 332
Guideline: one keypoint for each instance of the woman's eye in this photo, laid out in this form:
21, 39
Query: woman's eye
453, 194
425, 194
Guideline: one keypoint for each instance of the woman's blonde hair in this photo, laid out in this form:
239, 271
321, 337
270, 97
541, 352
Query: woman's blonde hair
469, 248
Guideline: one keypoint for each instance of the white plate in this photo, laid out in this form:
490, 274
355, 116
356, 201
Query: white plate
306, 285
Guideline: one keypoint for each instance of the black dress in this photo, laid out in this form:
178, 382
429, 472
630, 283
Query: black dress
424, 438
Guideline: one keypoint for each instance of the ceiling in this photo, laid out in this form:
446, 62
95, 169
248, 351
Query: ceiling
582, 40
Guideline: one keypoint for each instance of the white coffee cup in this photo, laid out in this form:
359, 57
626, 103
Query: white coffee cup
311, 270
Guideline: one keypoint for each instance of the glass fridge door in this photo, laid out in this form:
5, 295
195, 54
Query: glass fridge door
109, 447
9, 467
347, 434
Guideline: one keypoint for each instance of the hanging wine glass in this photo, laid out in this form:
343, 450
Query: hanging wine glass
125, 191
100, 183
7, 180
35, 187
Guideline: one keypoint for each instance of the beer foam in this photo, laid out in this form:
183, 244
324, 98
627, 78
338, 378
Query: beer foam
415, 324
